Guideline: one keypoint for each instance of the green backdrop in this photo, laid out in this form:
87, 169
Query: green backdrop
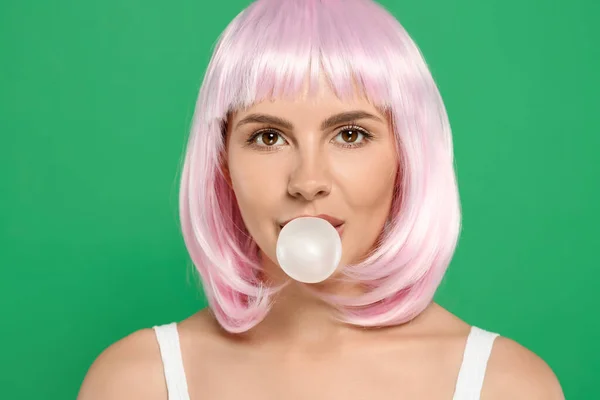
96, 99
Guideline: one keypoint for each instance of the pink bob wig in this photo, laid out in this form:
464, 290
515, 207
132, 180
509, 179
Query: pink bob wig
269, 51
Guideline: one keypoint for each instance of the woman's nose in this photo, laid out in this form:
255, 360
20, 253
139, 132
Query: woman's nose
310, 179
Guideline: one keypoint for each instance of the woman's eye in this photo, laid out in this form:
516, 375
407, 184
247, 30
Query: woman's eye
267, 138
352, 136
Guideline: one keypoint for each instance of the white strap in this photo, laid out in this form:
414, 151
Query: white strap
474, 363
170, 352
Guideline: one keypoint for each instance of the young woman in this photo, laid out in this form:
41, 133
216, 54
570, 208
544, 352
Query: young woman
319, 108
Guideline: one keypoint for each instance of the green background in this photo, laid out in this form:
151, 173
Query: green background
96, 100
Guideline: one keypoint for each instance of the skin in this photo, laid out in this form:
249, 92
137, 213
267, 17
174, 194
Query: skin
298, 351
302, 169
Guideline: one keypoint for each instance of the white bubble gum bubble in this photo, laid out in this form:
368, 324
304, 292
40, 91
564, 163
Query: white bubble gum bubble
309, 249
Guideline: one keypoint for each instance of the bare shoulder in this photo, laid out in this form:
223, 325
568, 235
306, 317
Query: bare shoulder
129, 369
515, 372
201, 331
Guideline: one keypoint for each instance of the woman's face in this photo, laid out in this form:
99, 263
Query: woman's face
308, 157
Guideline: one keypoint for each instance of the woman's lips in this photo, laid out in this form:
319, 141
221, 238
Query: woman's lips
340, 229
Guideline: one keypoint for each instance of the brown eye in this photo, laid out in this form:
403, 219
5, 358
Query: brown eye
350, 135
266, 140
269, 138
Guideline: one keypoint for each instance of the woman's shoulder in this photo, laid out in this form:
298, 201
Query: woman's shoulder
131, 368
513, 371
516, 372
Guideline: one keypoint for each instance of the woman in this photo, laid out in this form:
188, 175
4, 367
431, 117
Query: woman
319, 108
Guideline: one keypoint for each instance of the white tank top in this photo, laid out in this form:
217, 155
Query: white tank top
468, 385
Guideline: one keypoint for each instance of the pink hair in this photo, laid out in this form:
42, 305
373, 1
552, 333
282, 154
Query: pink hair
268, 51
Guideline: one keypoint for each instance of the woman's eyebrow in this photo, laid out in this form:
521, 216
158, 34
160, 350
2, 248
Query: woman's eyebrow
335, 119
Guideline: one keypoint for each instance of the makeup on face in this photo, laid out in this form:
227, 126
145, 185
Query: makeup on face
321, 157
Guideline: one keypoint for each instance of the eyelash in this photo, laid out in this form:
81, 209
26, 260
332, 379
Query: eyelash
367, 137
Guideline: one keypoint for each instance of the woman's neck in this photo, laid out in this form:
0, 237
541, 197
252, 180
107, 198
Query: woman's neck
298, 320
